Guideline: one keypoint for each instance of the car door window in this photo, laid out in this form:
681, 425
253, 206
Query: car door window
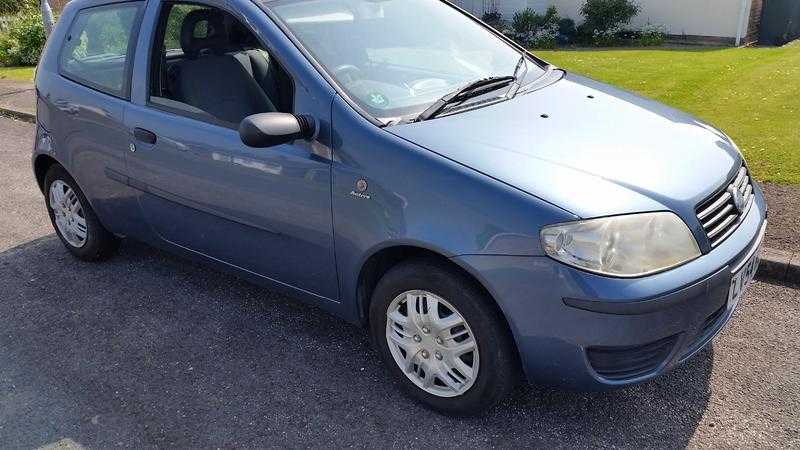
98, 47
209, 66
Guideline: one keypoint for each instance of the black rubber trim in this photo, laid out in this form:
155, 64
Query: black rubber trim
651, 305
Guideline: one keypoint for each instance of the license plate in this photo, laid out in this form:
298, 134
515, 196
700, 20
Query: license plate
741, 279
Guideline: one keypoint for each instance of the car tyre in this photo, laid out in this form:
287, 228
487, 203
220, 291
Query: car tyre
498, 370
74, 220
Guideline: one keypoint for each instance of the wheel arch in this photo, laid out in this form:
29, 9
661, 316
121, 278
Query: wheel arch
41, 165
384, 259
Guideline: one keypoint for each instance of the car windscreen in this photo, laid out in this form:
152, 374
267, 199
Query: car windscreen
397, 57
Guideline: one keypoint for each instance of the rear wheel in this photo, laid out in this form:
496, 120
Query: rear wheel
442, 338
74, 220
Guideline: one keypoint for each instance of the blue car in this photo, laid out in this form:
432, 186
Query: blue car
489, 217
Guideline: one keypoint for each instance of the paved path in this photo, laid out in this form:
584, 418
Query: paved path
148, 350
17, 96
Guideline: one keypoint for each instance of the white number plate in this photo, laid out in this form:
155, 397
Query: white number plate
743, 277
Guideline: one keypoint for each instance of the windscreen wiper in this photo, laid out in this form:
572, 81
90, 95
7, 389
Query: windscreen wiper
474, 89
518, 77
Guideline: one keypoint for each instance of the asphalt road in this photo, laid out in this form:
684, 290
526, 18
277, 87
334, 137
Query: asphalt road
148, 350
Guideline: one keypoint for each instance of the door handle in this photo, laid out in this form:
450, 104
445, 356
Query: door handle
142, 135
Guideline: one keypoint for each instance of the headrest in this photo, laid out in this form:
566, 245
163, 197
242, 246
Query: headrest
195, 40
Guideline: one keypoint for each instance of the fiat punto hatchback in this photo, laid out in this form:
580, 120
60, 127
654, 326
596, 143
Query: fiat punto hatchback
489, 217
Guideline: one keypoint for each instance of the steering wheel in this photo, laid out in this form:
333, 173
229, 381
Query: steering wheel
347, 73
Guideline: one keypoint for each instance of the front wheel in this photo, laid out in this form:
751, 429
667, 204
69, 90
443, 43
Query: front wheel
442, 338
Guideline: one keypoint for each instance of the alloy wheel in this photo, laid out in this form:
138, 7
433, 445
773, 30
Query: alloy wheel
68, 213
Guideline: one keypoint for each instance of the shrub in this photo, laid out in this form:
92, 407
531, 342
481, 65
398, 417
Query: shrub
603, 16
566, 27
22, 42
536, 30
12, 7
607, 38
544, 37
652, 35
566, 31
526, 21
493, 18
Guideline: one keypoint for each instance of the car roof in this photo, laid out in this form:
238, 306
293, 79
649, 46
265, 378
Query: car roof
81, 4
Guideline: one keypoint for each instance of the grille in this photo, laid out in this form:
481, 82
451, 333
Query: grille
722, 213
621, 363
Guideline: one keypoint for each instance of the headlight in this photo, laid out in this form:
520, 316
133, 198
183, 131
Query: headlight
623, 246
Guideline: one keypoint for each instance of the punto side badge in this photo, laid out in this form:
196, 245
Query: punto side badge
361, 188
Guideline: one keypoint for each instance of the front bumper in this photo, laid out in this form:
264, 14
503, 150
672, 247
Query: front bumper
576, 329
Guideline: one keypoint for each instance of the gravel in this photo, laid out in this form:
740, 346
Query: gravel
783, 232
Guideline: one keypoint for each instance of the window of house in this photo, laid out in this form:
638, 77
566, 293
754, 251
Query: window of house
207, 65
98, 47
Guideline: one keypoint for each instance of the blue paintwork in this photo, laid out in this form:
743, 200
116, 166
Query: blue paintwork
475, 188
631, 154
267, 212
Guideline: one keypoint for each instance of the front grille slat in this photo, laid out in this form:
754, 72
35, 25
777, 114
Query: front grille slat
748, 192
720, 214
740, 176
744, 184
723, 199
723, 226
718, 217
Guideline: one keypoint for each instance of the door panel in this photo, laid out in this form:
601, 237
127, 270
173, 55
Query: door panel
266, 211
93, 141
83, 94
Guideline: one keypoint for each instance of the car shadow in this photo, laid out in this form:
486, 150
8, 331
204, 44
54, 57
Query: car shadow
150, 350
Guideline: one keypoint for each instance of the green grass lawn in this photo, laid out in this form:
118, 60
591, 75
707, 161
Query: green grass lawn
17, 73
752, 94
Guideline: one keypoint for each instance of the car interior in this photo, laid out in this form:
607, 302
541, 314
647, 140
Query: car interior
392, 68
219, 71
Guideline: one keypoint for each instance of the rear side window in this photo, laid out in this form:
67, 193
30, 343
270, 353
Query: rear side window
97, 51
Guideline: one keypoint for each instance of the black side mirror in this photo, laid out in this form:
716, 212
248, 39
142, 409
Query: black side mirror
271, 129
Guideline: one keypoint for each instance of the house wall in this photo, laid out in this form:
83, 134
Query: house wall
715, 18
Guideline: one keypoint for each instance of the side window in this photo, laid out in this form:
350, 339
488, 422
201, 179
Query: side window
207, 65
98, 47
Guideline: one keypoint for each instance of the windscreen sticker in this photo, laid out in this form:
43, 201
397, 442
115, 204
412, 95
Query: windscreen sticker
378, 100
